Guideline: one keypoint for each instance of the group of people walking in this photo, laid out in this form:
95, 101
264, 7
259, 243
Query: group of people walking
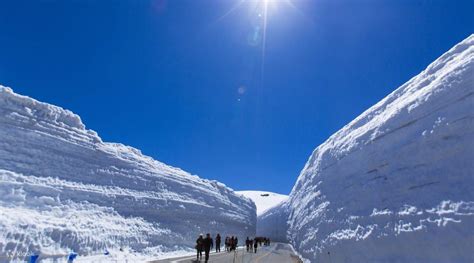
206, 244
231, 243
254, 243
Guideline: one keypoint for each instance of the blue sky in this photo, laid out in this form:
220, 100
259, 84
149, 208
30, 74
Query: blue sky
185, 83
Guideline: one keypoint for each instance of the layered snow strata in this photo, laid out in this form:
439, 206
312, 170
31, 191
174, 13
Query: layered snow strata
397, 183
64, 189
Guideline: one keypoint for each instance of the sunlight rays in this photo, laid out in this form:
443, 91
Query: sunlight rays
257, 14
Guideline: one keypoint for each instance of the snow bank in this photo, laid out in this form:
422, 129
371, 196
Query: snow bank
63, 189
396, 184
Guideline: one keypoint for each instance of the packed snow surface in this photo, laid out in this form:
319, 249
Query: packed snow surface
397, 183
62, 189
264, 200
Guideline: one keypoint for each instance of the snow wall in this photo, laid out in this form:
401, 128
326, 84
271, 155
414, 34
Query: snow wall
63, 189
397, 183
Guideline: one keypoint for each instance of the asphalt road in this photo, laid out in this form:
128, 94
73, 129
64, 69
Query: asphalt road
275, 253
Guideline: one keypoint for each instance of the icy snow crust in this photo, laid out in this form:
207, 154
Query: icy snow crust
63, 189
395, 184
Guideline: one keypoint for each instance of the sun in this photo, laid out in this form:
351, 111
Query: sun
259, 13
274, 3
260, 5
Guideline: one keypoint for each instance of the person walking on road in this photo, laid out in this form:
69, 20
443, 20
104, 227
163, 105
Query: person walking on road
255, 245
199, 247
247, 244
218, 243
232, 243
208, 244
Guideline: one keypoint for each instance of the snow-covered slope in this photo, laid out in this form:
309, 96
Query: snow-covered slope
271, 217
271, 214
64, 189
264, 200
397, 183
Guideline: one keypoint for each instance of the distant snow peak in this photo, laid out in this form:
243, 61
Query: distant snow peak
264, 200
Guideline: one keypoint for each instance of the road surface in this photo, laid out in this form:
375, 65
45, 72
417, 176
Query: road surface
275, 253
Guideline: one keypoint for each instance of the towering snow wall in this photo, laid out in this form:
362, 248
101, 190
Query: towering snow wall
64, 189
397, 183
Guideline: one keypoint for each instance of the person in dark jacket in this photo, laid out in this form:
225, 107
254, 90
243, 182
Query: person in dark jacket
227, 243
199, 246
218, 243
255, 245
208, 244
247, 244
232, 242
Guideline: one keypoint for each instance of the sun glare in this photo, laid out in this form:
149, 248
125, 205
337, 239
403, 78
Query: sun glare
259, 13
